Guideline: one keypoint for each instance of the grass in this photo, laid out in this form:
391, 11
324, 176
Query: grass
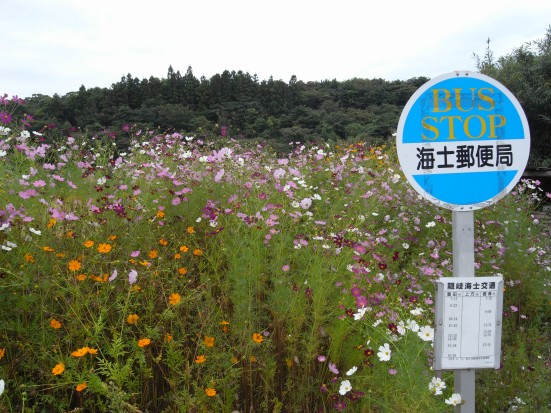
189, 275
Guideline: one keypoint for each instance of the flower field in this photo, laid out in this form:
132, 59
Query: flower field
187, 274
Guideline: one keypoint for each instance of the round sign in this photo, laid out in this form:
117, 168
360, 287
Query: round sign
463, 140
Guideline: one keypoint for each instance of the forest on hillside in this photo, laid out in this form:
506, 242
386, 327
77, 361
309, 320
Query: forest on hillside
239, 104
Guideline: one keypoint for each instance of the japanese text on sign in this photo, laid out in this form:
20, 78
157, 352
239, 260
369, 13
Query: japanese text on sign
468, 330
465, 156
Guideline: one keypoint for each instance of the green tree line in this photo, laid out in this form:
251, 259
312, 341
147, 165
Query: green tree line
270, 109
282, 112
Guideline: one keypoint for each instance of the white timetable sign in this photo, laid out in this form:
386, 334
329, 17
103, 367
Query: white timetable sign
468, 323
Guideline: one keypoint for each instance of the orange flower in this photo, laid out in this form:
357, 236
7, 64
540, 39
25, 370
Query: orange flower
145, 263
55, 324
80, 352
29, 257
74, 265
163, 242
81, 386
182, 271
2, 353
210, 392
48, 249
174, 298
144, 342
51, 222
92, 350
132, 319
183, 248
257, 338
225, 325
104, 248
112, 238
153, 254
197, 252
177, 256
190, 230
60, 255
81, 277
168, 337
89, 243
252, 359
99, 278
160, 214
209, 341
200, 359
58, 369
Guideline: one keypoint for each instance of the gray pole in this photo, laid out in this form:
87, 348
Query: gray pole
463, 266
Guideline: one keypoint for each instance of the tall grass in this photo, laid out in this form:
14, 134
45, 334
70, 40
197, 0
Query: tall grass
188, 275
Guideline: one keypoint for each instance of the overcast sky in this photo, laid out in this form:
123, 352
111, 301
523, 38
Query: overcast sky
55, 46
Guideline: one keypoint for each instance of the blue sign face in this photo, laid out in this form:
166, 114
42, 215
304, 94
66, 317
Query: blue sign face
463, 141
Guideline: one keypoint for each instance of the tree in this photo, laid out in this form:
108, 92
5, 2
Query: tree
526, 72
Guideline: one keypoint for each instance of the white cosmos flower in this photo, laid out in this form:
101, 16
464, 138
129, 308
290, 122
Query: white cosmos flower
436, 386
426, 333
417, 311
454, 400
384, 352
412, 325
359, 315
351, 371
401, 327
345, 387
186, 155
35, 231
430, 224
2, 385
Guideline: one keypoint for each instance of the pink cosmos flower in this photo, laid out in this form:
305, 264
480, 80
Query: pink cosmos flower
27, 194
132, 277
5, 117
333, 368
279, 173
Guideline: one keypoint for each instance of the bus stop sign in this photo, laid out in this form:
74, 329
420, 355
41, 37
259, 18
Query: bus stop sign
463, 141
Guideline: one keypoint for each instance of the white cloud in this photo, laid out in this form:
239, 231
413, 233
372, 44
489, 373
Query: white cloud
54, 46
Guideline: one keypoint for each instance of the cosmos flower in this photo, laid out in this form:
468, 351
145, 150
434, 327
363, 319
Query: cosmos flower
454, 399
436, 386
58, 369
346, 386
384, 352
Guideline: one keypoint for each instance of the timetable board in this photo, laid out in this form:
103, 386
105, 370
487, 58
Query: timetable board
468, 323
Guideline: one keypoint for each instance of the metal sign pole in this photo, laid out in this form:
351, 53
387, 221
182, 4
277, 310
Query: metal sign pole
463, 266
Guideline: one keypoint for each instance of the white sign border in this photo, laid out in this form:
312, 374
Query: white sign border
404, 116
